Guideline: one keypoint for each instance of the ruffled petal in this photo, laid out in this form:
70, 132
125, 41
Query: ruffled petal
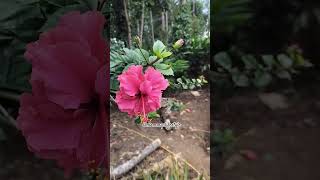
131, 79
156, 78
90, 26
68, 72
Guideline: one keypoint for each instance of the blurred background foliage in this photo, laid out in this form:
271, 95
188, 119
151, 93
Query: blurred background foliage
21, 22
260, 43
168, 21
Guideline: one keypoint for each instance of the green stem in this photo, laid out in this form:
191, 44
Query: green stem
151, 63
9, 95
154, 61
100, 6
142, 54
10, 119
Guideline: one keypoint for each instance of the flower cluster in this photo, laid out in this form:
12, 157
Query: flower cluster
65, 116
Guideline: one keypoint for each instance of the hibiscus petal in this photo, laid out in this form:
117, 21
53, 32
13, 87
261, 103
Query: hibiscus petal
90, 25
145, 87
126, 103
131, 79
52, 64
156, 78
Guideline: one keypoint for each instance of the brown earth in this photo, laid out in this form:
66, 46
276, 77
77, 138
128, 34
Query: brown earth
189, 139
286, 141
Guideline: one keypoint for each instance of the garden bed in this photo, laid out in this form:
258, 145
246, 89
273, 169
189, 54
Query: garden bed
128, 138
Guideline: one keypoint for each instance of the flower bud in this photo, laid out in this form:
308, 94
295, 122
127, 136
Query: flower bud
178, 44
137, 40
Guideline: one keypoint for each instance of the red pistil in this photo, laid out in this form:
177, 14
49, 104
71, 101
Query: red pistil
145, 118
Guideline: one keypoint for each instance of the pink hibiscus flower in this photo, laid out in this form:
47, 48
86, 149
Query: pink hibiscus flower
140, 93
65, 116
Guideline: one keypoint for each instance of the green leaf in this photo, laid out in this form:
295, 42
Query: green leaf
91, 4
283, 74
138, 120
114, 83
144, 54
268, 60
224, 60
249, 61
262, 79
285, 61
165, 69
158, 47
240, 80
134, 56
166, 54
53, 19
180, 65
153, 115
152, 58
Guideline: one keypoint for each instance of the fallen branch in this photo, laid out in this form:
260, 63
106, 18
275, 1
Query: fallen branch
163, 147
127, 166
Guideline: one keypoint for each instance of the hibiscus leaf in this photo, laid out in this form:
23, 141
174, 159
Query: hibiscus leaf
92, 4
134, 56
166, 54
114, 83
158, 47
53, 18
14, 70
165, 69
152, 58
138, 120
153, 115
285, 61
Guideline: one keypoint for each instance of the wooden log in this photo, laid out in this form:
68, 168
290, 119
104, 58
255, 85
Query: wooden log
127, 166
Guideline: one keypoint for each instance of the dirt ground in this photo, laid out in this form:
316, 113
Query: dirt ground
188, 139
285, 141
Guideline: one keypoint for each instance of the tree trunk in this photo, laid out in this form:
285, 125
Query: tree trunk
125, 4
167, 26
162, 21
151, 22
194, 7
182, 2
138, 28
142, 22
167, 22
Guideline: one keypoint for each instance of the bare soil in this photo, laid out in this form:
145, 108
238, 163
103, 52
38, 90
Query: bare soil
188, 139
286, 141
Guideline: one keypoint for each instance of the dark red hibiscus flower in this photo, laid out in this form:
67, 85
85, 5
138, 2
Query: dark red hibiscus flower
65, 116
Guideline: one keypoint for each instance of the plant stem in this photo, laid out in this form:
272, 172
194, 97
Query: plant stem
154, 61
142, 53
101, 4
9, 95
11, 120
158, 58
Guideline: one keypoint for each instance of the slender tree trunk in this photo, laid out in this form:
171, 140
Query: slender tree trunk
167, 22
194, 7
125, 3
142, 21
163, 25
162, 21
138, 28
151, 22
167, 26
182, 2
